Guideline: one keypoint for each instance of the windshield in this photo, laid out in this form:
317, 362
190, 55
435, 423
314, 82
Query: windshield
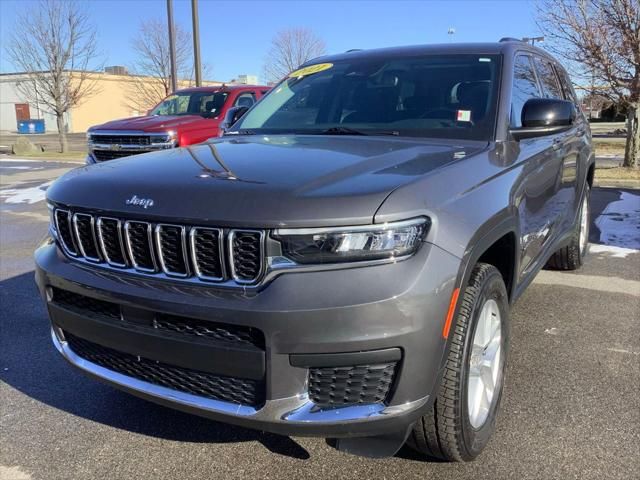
452, 96
206, 104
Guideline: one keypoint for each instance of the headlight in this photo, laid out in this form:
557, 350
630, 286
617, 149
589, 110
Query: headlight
352, 244
169, 136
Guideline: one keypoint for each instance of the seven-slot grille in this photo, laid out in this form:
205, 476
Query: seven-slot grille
175, 250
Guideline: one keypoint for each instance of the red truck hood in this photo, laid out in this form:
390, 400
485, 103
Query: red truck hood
154, 123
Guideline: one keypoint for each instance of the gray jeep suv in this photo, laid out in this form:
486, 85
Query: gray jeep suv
342, 262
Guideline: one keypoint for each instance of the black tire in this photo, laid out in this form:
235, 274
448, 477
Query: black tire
445, 432
571, 256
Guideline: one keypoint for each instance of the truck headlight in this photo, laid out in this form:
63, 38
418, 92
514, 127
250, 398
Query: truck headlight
168, 137
53, 231
352, 244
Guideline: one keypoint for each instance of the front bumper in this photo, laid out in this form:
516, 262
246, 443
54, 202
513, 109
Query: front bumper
310, 315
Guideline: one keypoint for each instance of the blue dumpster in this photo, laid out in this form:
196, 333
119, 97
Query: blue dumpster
31, 126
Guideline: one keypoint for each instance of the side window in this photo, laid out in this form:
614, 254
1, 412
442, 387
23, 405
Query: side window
245, 99
524, 87
548, 78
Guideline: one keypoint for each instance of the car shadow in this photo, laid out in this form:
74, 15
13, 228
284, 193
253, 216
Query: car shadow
29, 363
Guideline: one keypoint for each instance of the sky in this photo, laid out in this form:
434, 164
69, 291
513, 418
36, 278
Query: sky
235, 35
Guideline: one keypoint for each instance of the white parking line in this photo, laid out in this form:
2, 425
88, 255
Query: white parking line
18, 160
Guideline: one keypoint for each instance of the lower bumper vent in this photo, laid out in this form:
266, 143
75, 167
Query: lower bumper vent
342, 386
202, 384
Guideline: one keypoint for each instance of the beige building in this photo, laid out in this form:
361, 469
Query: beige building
114, 96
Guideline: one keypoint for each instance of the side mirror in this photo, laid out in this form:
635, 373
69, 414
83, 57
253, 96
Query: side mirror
544, 116
232, 116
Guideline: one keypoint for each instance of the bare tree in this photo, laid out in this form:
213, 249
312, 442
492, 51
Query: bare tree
600, 39
152, 65
54, 44
289, 49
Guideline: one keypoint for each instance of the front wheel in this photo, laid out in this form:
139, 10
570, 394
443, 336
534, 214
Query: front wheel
462, 418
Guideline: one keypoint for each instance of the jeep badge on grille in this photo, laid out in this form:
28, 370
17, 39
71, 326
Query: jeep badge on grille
142, 202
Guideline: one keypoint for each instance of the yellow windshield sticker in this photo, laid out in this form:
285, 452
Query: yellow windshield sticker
319, 67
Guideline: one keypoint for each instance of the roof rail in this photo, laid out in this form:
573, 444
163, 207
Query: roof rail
510, 39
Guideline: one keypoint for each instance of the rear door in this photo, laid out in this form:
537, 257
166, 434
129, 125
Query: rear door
577, 149
538, 191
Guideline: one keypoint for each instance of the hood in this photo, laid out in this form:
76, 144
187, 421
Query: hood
260, 181
152, 123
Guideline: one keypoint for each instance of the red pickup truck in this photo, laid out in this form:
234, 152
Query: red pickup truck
186, 117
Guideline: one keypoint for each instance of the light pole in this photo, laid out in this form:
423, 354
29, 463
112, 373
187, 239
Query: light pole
533, 40
172, 46
196, 42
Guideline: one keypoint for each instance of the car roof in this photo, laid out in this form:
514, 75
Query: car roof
504, 47
223, 87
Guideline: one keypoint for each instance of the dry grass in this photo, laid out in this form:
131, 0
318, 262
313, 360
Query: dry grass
620, 173
609, 146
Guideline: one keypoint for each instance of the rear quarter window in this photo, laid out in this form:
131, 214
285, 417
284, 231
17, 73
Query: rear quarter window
548, 78
566, 84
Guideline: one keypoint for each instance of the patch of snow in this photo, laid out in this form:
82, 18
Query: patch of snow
22, 167
619, 222
615, 252
28, 195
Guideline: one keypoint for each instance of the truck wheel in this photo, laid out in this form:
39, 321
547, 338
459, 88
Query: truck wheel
460, 422
571, 257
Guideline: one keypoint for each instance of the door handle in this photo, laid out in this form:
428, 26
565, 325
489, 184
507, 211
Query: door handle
557, 143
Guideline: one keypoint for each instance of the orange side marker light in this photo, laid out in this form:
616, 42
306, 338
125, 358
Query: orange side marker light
452, 309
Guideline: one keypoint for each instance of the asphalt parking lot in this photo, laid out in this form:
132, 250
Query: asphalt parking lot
571, 407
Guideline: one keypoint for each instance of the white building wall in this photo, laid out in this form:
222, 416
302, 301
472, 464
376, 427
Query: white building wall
9, 96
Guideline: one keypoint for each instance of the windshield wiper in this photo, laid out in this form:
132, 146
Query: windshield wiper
342, 131
353, 131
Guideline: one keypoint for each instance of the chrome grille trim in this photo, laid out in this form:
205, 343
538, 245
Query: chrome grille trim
67, 250
192, 244
186, 253
261, 249
127, 236
183, 241
78, 237
120, 241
